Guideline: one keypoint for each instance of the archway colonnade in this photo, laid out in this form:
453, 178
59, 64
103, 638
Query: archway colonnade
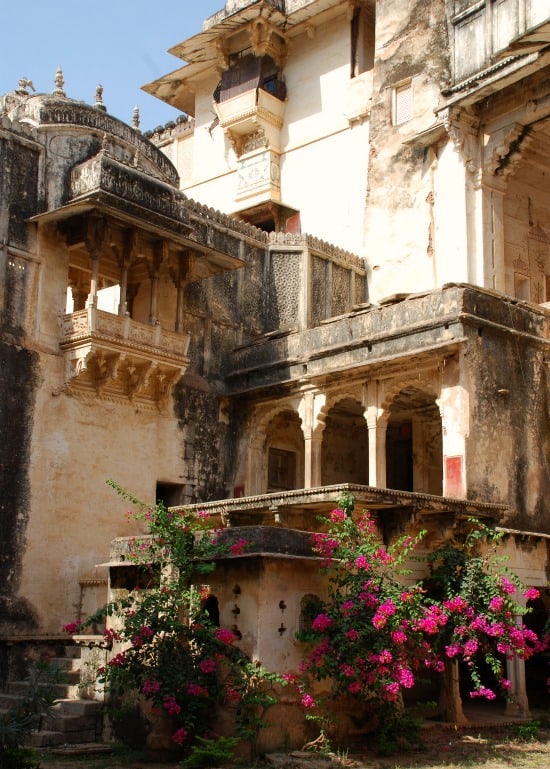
407, 432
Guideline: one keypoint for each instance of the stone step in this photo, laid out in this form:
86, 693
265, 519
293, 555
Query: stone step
57, 691
66, 664
45, 739
78, 707
8, 701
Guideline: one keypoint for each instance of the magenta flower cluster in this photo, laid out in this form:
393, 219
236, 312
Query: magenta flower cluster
373, 637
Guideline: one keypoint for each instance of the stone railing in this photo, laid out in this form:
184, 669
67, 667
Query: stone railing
120, 357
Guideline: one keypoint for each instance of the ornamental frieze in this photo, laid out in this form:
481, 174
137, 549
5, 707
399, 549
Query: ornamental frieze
102, 173
90, 118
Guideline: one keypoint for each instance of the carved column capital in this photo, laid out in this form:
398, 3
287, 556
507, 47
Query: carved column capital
462, 127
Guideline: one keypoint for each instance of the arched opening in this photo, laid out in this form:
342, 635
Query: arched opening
310, 606
536, 668
345, 448
414, 443
285, 452
211, 609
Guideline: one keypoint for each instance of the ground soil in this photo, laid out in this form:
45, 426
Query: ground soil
501, 747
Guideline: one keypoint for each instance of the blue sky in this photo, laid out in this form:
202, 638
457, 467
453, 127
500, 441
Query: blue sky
120, 44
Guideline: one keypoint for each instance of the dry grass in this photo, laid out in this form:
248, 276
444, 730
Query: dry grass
488, 748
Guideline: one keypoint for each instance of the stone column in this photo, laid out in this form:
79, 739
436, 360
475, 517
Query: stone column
376, 422
254, 470
309, 411
515, 669
161, 250
92, 296
493, 235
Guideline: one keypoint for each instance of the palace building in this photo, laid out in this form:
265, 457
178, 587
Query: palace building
330, 272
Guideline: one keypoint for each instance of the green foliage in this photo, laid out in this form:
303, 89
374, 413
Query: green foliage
208, 752
18, 758
167, 647
377, 632
398, 731
17, 723
527, 732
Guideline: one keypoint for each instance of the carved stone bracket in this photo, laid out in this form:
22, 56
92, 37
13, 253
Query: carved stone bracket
119, 359
462, 127
504, 150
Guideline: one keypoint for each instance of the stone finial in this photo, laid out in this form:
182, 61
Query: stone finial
59, 83
135, 118
25, 83
99, 99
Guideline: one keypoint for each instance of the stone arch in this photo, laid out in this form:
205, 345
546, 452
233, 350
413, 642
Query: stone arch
414, 437
345, 446
280, 441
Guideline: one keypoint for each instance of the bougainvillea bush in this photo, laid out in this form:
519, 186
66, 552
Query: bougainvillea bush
378, 632
166, 647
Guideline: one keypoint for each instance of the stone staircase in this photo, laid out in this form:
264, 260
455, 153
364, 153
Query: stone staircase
70, 720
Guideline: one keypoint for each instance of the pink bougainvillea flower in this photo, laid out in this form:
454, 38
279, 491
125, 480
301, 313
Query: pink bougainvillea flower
72, 627
225, 635
507, 586
337, 515
321, 622
171, 706
496, 603
532, 594
208, 665
308, 701
361, 562
119, 660
150, 686
483, 691
194, 690
455, 604
232, 696
238, 547
180, 736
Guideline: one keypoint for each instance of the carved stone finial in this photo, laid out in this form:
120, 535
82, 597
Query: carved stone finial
25, 83
59, 83
135, 118
99, 99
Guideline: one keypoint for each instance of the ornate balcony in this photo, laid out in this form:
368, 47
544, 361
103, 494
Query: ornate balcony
252, 113
118, 358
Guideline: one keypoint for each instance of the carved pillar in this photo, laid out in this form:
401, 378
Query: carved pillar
130, 253
454, 407
180, 273
309, 411
254, 470
92, 296
376, 422
463, 129
161, 251
96, 237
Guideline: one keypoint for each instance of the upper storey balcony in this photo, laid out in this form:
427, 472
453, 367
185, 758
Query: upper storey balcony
488, 33
250, 98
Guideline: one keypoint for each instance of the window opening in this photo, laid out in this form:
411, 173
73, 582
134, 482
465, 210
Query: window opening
362, 31
170, 494
310, 606
281, 470
402, 107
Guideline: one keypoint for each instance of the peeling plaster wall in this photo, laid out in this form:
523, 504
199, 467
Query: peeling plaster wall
411, 44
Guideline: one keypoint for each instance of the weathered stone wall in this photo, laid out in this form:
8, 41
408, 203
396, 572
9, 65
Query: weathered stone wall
508, 449
19, 374
411, 47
